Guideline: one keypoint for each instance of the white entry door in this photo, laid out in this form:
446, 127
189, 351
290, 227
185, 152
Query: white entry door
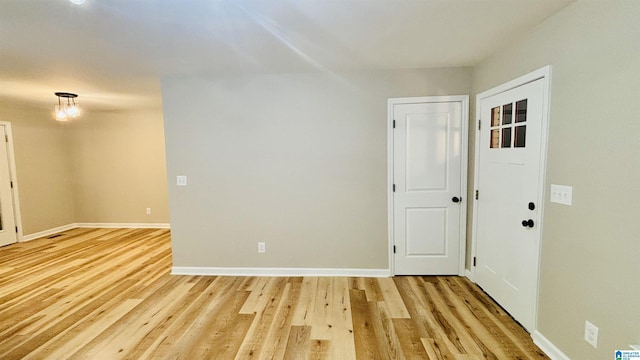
429, 178
7, 217
509, 178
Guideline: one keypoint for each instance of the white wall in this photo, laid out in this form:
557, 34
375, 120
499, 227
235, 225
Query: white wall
296, 160
591, 250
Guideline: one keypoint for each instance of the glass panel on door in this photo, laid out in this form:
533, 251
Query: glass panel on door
495, 116
507, 113
521, 111
521, 136
495, 139
506, 137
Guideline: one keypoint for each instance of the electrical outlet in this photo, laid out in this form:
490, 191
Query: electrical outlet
148, 211
591, 334
181, 180
561, 194
262, 247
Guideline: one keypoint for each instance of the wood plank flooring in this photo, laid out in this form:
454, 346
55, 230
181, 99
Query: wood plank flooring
108, 294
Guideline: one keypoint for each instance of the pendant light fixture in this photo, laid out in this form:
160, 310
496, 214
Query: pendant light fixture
66, 109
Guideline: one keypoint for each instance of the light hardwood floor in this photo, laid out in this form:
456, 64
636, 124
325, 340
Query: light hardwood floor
107, 294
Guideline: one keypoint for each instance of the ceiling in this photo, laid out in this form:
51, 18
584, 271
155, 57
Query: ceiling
113, 52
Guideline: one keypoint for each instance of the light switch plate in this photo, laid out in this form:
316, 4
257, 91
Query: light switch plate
181, 180
561, 194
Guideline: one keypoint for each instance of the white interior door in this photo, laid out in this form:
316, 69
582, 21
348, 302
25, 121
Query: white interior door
428, 148
7, 217
509, 196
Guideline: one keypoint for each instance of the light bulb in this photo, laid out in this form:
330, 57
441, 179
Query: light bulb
72, 110
61, 115
77, 2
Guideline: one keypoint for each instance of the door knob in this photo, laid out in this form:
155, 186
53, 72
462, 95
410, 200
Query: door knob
527, 223
456, 199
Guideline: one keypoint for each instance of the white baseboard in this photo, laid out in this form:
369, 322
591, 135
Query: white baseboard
548, 347
468, 274
124, 225
62, 228
47, 232
234, 271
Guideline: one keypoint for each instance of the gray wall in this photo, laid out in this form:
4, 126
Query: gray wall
119, 167
299, 161
42, 165
296, 160
104, 167
591, 251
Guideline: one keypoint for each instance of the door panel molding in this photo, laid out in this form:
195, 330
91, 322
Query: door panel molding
543, 74
464, 101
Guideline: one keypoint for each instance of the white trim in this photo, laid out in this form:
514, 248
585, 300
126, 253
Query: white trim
390, 213
17, 213
124, 225
548, 347
545, 74
240, 271
62, 228
468, 274
48, 232
464, 165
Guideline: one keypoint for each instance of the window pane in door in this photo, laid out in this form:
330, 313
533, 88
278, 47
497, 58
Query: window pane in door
495, 139
521, 111
521, 136
506, 137
507, 113
495, 116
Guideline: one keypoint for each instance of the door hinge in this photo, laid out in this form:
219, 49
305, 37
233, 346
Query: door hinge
477, 192
474, 261
11, 182
394, 249
479, 124
394, 124
16, 229
394, 187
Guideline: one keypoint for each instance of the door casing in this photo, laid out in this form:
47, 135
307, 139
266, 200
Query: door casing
14, 179
545, 74
464, 144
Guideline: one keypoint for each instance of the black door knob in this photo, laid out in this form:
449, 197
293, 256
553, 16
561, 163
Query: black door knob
455, 199
527, 223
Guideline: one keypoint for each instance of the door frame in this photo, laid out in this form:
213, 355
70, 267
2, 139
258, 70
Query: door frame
543, 73
12, 174
464, 148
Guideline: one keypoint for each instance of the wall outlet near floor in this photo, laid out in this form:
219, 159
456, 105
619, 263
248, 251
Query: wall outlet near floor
181, 180
262, 247
148, 211
591, 334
